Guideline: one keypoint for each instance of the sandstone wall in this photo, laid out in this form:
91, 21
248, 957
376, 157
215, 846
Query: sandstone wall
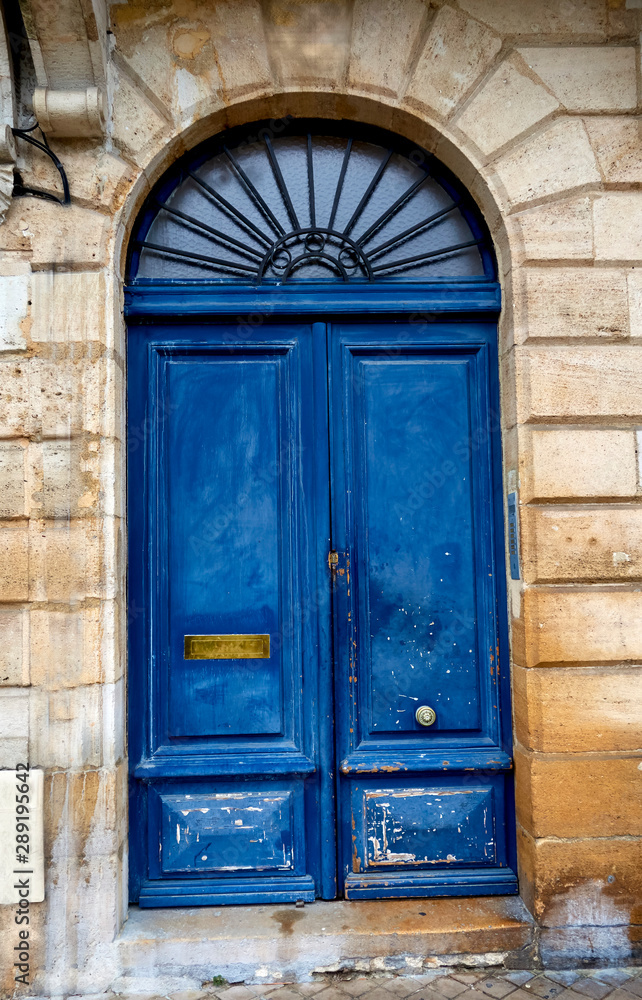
534, 105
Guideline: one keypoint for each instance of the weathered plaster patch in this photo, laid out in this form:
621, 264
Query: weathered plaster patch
14, 310
621, 557
188, 44
515, 590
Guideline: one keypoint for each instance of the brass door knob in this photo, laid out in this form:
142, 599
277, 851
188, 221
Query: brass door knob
425, 715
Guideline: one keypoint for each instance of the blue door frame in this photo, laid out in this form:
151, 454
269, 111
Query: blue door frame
291, 762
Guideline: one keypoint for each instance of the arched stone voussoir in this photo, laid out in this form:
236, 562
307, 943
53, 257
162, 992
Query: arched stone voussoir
217, 55
387, 36
139, 126
524, 104
548, 165
457, 53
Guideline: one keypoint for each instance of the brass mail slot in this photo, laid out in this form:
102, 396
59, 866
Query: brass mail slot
227, 647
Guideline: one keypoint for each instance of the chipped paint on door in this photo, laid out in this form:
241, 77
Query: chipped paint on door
227, 832
421, 826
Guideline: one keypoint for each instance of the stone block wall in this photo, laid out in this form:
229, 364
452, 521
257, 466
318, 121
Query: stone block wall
534, 106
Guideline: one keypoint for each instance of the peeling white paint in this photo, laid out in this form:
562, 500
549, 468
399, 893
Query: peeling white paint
621, 557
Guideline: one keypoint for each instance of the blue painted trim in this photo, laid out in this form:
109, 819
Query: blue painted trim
471, 883
322, 598
222, 765
217, 892
386, 761
192, 301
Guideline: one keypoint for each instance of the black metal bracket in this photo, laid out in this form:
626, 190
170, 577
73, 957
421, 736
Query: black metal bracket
19, 189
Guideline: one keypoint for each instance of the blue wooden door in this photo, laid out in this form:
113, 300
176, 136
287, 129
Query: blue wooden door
302, 481
425, 789
232, 794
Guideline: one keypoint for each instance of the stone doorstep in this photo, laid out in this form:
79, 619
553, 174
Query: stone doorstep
282, 942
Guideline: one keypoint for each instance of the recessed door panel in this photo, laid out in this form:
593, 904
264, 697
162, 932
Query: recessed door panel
422, 826
229, 535
414, 503
231, 829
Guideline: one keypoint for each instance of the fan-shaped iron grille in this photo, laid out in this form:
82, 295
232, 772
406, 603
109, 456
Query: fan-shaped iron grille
309, 201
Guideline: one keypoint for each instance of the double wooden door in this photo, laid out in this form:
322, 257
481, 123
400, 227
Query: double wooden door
318, 667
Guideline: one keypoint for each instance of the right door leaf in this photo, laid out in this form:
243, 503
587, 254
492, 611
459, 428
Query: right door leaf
417, 616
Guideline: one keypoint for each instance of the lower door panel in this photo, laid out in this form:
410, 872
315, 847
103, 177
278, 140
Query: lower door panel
240, 841
430, 835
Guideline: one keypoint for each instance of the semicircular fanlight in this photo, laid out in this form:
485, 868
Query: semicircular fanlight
309, 201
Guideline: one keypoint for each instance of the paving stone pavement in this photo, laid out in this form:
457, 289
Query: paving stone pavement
438, 984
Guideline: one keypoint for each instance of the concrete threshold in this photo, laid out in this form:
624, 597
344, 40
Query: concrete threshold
285, 943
